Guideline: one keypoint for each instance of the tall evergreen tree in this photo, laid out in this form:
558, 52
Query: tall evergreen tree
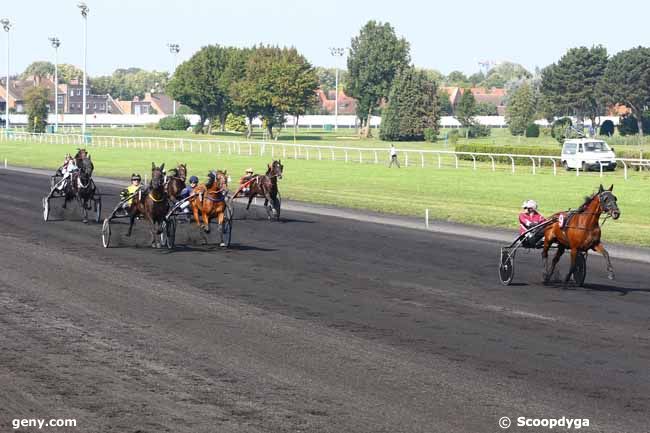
412, 107
627, 81
376, 55
521, 110
466, 109
572, 85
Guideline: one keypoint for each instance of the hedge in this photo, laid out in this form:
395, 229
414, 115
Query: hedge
526, 150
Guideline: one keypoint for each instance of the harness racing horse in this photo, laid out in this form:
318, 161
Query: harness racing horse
152, 204
265, 186
80, 185
175, 181
582, 232
210, 201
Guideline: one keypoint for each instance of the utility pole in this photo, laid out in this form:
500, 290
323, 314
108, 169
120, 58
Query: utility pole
6, 25
337, 52
174, 49
84, 13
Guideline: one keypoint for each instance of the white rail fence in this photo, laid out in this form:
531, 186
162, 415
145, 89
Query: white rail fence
409, 157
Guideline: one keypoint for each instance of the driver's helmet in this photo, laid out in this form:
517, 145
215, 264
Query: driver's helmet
194, 179
135, 176
530, 204
249, 171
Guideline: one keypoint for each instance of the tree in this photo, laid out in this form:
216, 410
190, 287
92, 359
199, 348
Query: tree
196, 84
412, 108
466, 109
327, 78
69, 72
627, 81
458, 79
277, 82
128, 83
504, 72
376, 55
572, 84
521, 110
40, 69
446, 108
36, 104
486, 109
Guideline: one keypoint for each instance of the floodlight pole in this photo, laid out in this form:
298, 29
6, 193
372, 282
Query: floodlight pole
55, 44
336, 52
174, 49
84, 13
6, 25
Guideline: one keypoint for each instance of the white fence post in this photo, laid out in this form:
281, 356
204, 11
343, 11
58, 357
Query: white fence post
426, 218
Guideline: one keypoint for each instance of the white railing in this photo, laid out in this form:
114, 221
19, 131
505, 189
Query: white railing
275, 149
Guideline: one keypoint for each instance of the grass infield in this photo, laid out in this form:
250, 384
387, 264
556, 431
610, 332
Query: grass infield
462, 195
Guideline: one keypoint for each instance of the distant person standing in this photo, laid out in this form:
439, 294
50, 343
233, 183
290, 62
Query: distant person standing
393, 157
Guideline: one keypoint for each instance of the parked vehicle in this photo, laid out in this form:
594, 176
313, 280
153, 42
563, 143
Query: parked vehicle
587, 154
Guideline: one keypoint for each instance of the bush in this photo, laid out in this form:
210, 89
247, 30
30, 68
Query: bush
532, 130
546, 132
628, 125
520, 150
558, 130
236, 123
174, 123
607, 128
430, 135
477, 130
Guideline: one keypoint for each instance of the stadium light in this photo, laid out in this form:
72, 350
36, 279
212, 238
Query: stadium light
174, 49
336, 52
83, 7
56, 44
6, 25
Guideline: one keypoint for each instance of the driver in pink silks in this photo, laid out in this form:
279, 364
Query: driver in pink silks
528, 219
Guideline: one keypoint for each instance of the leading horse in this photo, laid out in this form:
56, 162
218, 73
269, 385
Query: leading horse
80, 185
265, 186
582, 232
152, 204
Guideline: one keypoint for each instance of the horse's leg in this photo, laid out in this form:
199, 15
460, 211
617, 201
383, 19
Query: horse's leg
84, 210
572, 268
556, 259
267, 200
206, 220
600, 248
220, 218
195, 212
547, 246
131, 221
250, 199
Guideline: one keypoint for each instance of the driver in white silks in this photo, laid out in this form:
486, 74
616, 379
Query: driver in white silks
69, 166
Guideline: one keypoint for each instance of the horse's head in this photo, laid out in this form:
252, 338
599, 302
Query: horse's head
181, 171
86, 167
217, 180
608, 202
275, 169
157, 176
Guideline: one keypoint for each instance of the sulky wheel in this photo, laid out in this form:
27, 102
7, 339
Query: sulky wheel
227, 226
106, 233
580, 272
506, 267
98, 209
168, 233
46, 208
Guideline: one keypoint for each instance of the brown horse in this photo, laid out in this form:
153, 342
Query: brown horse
582, 232
80, 185
152, 204
210, 202
265, 186
175, 181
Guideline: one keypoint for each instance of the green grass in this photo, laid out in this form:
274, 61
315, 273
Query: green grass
463, 195
348, 137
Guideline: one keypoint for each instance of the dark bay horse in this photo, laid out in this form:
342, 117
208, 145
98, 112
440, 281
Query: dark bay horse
80, 185
210, 202
175, 181
152, 204
265, 186
582, 232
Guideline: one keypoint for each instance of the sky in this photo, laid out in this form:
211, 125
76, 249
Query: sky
447, 36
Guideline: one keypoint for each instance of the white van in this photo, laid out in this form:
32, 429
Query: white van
587, 154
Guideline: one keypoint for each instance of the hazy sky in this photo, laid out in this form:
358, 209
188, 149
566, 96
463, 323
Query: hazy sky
445, 35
